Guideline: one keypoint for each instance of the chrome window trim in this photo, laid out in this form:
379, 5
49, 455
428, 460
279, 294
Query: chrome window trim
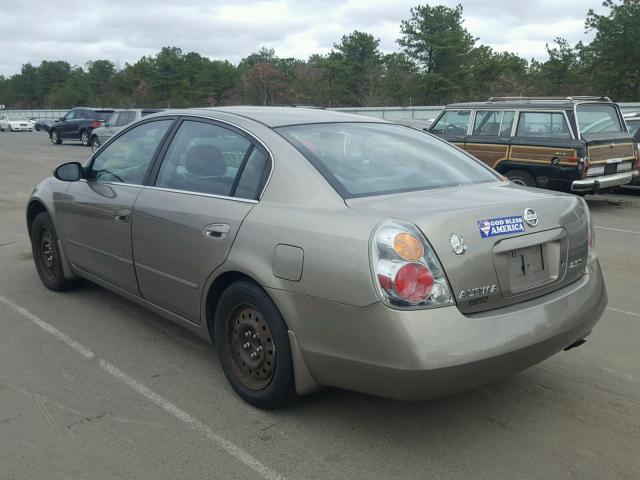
536, 110
198, 194
172, 190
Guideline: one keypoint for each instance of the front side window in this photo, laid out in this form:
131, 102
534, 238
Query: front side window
127, 158
543, 124
203, 158
452, 122
363, 159
593, 118
71, 115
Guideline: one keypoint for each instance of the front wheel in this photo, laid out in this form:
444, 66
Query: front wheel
253, 346
95, 143
46, 254
521, 177
55, 137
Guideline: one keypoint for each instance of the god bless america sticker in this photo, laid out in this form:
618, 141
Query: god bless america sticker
492, 227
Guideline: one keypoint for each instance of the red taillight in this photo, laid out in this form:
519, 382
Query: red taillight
414, 282
96, 124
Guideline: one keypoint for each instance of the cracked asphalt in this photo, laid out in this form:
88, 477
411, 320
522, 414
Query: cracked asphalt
151, 402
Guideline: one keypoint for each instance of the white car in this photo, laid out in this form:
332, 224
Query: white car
15, 124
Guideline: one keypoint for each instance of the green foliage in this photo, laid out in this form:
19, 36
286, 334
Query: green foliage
440, 62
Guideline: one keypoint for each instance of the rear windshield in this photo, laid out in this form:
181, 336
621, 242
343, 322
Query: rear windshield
363, 159
598, 118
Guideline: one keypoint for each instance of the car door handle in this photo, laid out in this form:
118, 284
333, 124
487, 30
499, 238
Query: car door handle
217, 231
122, 216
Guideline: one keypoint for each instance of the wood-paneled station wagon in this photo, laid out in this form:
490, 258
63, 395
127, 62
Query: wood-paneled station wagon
578, 144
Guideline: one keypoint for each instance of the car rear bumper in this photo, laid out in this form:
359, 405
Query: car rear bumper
420, 354
605, 181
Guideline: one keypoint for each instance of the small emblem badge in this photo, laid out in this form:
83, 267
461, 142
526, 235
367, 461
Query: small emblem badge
531, 217
457, 244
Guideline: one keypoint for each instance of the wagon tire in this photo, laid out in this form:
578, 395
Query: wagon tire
253, 346
55, 137
522, 178
46, 254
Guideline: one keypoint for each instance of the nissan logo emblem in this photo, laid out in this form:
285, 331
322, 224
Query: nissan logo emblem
531, 217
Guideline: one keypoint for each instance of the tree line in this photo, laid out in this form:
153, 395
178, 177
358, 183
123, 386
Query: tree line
438, 62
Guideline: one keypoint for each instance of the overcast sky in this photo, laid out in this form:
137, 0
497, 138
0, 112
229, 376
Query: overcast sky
123, 31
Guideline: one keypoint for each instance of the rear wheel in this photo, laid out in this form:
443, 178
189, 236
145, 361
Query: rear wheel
521, 177
55, 137
253, 346
84, 138
46, 254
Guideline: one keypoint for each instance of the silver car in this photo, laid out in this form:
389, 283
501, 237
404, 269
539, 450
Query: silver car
119, 120
317, 248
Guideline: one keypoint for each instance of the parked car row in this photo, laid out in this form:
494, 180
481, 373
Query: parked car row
572, 144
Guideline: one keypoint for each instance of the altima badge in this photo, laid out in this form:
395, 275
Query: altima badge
457, 244
531, 217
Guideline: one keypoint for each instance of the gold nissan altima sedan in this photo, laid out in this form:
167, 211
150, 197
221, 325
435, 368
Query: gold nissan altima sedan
316, 248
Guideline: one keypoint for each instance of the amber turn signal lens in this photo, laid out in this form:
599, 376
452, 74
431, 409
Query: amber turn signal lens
408, 247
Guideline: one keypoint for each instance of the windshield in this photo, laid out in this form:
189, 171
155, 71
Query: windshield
594, 118
362, 159
104, 116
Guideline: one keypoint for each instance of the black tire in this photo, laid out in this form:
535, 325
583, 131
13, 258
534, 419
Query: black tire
55, 137
95, 143
266, 381
85, 138
521, 177
46, 254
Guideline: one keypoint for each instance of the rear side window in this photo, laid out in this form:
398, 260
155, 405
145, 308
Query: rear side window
493, 123
452, 122
363, 159
203, 158
543, 124
252, 175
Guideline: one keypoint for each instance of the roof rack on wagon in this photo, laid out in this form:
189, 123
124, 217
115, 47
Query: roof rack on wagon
546, 99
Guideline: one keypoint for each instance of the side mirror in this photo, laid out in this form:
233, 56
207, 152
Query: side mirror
68, 172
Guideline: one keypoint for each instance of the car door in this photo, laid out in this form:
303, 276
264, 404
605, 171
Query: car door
185, 224
69, 124
96, 214
452, 125
490, 135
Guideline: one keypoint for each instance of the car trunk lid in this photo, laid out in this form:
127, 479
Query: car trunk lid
506, 260
609, 153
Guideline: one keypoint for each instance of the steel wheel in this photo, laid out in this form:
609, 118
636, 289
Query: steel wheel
47, 253
252, 348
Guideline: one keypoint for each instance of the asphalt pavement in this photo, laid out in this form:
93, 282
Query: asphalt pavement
93, 386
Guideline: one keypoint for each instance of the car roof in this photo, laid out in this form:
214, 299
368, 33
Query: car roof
279, 116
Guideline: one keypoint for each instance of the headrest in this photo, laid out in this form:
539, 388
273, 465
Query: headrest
205, 161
